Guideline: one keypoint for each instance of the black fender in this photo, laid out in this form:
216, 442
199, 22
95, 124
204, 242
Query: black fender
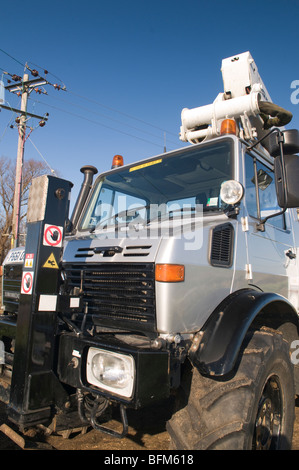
222, 336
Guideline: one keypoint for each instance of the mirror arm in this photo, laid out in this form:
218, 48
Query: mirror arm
275, 129
261, 224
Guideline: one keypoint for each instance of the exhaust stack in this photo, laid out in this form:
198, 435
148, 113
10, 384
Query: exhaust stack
89, 172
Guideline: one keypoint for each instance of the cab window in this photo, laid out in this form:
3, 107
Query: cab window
261, 181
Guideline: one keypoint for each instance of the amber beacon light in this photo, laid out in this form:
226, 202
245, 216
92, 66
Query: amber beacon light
170, 272
117, 161
228, 126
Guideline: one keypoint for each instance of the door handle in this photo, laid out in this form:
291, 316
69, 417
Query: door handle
290, 254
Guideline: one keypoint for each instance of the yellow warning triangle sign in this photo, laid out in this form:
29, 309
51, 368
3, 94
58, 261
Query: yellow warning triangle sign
51, 262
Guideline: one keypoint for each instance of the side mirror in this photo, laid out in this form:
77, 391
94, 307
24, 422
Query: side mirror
287, 190
290, 144
281, 145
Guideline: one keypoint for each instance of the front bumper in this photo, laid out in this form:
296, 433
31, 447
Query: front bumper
151, 377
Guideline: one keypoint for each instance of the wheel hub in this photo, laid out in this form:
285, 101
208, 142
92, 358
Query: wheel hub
269, 417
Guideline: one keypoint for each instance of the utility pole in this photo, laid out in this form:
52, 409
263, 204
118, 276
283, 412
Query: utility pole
19, 167
24, 87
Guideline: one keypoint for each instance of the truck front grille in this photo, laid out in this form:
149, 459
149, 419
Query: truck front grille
117, 293
12, 278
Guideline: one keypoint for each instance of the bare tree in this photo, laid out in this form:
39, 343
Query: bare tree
31, 169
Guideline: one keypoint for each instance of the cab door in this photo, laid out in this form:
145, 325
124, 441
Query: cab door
272, 264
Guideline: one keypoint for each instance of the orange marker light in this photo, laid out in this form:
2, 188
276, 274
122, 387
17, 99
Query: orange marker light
117, 161
228, 126
170, 272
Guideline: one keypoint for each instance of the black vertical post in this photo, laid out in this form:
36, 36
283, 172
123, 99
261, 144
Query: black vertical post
34, 384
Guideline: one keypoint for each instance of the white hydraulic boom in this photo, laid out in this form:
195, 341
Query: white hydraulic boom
245, 99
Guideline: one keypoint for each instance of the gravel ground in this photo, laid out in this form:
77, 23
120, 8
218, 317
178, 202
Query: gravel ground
146, 432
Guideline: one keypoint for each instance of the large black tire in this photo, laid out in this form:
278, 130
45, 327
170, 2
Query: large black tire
252, 409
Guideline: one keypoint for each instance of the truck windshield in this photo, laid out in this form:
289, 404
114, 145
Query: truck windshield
184, 181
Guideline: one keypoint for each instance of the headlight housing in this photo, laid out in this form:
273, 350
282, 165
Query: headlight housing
111, 371
231, 192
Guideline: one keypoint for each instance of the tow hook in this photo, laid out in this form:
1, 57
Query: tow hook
99, 406
111, 432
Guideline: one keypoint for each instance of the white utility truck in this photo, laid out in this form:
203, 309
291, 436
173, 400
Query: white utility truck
182, 276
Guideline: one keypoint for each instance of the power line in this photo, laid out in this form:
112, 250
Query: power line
50, 73
51, 169
90, 100
101, 124
35, 72
16, 60
4, 132
103, 115
120, 112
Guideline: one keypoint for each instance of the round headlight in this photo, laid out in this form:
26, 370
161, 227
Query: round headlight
231, 192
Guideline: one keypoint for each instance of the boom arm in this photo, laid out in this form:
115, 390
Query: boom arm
245, 99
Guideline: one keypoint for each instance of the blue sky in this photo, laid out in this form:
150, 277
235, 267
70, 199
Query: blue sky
130, 67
